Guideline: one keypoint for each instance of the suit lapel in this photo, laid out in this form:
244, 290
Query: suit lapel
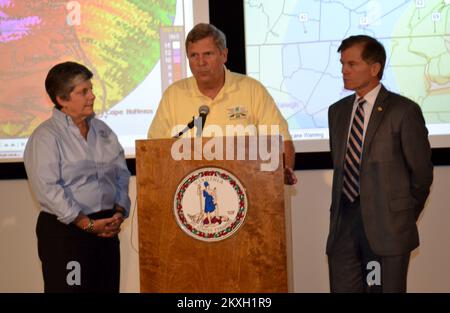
375, 118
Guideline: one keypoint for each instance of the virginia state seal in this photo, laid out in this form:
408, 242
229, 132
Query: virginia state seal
210, 204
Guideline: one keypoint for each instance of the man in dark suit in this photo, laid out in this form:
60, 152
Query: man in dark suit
382, 176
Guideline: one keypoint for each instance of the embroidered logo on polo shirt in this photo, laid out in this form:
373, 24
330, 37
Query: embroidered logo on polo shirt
238, 112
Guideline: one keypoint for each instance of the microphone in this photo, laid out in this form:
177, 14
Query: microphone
199, 122
203, 112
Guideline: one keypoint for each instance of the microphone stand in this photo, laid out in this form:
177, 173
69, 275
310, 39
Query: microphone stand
189, 126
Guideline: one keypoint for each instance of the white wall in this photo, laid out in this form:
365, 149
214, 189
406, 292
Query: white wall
308, 205
429, 269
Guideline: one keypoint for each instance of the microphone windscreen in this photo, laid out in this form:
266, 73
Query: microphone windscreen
203, 110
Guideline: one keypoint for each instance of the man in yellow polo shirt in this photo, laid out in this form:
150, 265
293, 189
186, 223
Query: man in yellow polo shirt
233, 99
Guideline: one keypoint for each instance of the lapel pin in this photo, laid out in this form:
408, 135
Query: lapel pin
380, 109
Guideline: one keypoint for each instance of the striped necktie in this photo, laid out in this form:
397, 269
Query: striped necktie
353, 155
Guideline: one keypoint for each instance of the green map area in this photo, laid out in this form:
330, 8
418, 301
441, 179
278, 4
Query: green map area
421, 27
117, 40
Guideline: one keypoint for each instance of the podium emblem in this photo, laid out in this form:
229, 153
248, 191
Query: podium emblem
210, 204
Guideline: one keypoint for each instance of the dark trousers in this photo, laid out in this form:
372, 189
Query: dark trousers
74, 260
353, 266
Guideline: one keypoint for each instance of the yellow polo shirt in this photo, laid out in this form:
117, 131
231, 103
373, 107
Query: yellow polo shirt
242, 101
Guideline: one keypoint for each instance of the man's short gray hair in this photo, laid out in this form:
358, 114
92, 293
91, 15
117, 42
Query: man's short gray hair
203, 30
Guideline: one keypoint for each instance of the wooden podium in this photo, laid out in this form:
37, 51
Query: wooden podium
253, 259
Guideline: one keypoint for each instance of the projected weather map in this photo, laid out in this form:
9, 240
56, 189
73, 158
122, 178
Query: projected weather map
291, 48
135, 48
120, 41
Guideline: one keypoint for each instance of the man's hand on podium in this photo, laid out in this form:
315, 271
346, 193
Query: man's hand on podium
289, 176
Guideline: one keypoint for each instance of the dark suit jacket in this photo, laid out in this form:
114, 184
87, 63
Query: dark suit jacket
396, 171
